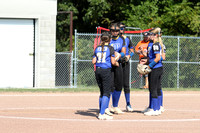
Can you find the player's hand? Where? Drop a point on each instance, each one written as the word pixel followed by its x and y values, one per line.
pixel 117 56
pixel 127 58
pixel 140 48
pixel 117 64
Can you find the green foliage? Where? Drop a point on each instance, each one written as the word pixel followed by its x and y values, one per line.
pixel 182 19
pixel 179 17
pixel 85 48
pixel 63 25
pixel 143 16
pixel 86 77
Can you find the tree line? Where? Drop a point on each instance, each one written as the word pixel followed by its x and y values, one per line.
pixel 178 18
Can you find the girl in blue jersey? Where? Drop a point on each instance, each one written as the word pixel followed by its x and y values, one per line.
pixel 126 67
pixel 163 52
pixel 155 63
pixel 118 43
pixel 104 59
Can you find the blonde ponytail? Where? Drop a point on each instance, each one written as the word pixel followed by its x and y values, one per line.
pixel 158 39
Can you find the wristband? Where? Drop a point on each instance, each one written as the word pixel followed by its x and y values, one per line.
pixel 131 54
pixel 122 54
pixel 152 64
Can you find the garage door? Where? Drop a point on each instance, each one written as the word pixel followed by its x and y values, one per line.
pixel 16 49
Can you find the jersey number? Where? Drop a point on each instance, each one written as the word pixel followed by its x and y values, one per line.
pixel 103 59
pixel 155 47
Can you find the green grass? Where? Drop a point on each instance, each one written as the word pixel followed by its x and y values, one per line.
pixel 82 89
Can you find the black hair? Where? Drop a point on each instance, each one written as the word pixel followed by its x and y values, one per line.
pixel 114 26
pixel 105 37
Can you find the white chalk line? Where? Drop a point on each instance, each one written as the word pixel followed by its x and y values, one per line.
pixel 55 95
pixel 80 108
pixel 96 120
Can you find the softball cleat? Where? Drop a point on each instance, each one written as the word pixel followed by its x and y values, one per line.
pixel 107 111
pixel 151 112
pixel 129 108
pixel 117 110
pixel 162 109
pixel 104 117
pixel 146 110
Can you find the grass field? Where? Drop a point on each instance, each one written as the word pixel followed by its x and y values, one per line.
pixel 83 89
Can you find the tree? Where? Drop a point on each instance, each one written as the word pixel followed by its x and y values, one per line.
pixel 179 17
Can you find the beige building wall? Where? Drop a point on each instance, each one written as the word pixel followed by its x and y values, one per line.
pixel 44 13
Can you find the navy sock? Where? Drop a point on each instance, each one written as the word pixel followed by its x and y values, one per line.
pixel 115 98
pixel 127 96
pixel 100 99
pixel 104 104
pixel 159 101
pixel 155 103
pixel 109 99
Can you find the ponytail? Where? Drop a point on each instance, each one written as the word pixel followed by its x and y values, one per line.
pixel 158 39
pixel 105 38
pixel 102 48
pixel 161 43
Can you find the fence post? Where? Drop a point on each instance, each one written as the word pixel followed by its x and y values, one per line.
pixel 130 70
pixel 178 63
pixel 75 61
pixel 71 72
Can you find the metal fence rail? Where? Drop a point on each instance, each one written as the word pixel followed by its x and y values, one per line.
pixel 181 68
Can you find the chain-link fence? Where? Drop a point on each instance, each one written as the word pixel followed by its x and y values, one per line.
pixel 181 68
pixel 64 69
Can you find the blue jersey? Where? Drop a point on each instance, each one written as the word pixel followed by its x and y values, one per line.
pixel 129 44
pixel 118 44
pixel 105 60
pixel 153 49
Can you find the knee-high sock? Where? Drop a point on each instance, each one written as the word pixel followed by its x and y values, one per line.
pixel 127 96
pixel 155 103
pixel 161 97
pixel 100 99
pixel 159 101
pixel 115 98
pixel 109 99
pixel 104 104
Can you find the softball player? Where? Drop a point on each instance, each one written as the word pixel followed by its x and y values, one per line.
pixel 103 58
pixel 163 52
pixel 155 63
pixel 118 43
pixel 142 59
pixel 126 67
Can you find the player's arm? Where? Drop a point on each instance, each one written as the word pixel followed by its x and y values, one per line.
pixel 163 54
pixel 137 51
pixel 94 60
pixel 113 60
pixel 130 48
pixel 123 50
pixel 142 51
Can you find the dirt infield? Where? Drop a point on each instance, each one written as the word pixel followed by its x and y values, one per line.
pixel 77 112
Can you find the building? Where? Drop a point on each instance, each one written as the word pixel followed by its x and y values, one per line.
pixel 27 43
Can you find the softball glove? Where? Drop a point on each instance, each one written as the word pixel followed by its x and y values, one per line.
pixel 143 69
